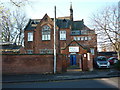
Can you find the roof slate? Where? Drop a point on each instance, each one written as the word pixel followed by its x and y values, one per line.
pixel 29 25
pixel 10 46
pixel 61 23
pixel 78 25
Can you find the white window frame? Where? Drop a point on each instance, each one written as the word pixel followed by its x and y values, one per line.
pixel 92 50
pixel 46 33
pixel 63 35
pixel 86 38
pixel 84 32
pixel 78 38
pixel 89 38
pixel 30 36
pixel 82 38
pixel 29 51
pixel 46 51
pixel 74 38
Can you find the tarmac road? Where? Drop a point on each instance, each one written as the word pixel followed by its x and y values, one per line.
pixel 82 83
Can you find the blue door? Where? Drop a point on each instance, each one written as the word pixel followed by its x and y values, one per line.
pixel 72 59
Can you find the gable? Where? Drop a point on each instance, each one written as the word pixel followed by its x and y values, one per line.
pixel 75 42
pixel 46 20
pixel 32 24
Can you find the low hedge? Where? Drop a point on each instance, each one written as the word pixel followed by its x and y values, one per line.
pixel 117 65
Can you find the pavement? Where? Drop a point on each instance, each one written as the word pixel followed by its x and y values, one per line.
pixel 71 74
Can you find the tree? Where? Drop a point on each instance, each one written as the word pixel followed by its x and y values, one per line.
pixel 13 23
pixel 19 25
pixel 5 24
pixel 18 3
pixel 106 25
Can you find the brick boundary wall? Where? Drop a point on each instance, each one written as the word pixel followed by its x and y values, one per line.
pixel 87 65
pixel 31 64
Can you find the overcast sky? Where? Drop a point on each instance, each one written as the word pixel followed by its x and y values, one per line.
pixel 82 9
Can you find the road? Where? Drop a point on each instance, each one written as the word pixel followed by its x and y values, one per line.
pixel 82 83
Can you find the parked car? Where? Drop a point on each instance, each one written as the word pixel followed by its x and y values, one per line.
pixel 101 62
pixel 112 60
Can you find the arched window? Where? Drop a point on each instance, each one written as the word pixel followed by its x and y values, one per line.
pixel 46 32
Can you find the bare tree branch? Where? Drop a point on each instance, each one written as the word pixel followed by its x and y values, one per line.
pixel 13 23
pixel 106 23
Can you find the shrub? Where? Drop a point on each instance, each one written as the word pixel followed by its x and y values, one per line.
pixel 117 65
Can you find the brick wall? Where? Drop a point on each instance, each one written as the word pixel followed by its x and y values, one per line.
pixel 87 63
pixel 31 64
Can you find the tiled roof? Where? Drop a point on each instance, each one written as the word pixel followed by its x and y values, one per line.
pixel 61 23
pixel 78 25
pixel 10 46
pixel 29 25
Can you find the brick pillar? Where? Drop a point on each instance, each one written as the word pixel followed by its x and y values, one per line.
pixel 61 63
pixel 90 61
pixel 35 42
pixel 84 62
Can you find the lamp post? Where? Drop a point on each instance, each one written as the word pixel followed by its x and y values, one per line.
pixel 54 40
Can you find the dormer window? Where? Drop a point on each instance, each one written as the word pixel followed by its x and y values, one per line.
pixel 84 32
pixel 33 24
pixel 46 32
pixel 64 20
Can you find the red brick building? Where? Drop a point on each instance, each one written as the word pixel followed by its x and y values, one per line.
pixel 72 37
